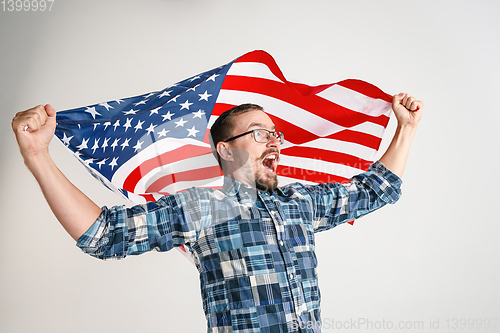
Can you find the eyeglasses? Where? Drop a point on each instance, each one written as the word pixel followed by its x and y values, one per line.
pixel 261 135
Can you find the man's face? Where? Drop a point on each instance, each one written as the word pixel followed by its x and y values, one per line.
pixel 256 162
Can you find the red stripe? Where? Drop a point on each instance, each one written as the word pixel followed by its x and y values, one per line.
pixel 309 175
pixel 184 176
pixel 314 104
pixel 148 197
pixel 366 88
pixel 266 59
pixel 360 138
pixel 297 135
pixel 328 156
pixel 175 155
pixel 362 87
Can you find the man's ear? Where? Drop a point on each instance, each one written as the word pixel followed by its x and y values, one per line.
pixel 224 151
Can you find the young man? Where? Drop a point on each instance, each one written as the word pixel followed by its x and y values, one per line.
pixel 252 242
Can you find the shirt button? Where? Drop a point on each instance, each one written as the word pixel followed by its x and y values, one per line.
pixel 291 276
pixel 281 243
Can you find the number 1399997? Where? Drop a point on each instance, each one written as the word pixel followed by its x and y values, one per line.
pixel 27 5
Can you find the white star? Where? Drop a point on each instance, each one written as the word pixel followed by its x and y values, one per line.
pixel 213 77
pixel 141 102
pixel 132 111
pixel 92 111
pixel 128 124
pixel 106 105
pixel 165 93
pixel 185 105
pixel 105 144
pixel 106 124
pixel 138 146
pixel 115 143
pixel 118 101
pixel 155 110
pixel 138 126
pixel 194 88
pixel 66 140
pixel 204 96
pixel 198 114
pixel 96 145
pixel 192 131
pixel 101 163
pixel 163 132
pixel 113 162
pixel 149 95
pixel 83 145
pixel 116 124
pixel 167 116
pixel 95 125
pixel 173 99
pixel 125 144
pixel 88 162
pixel 180 123
pixel 194 78
pixel 151 128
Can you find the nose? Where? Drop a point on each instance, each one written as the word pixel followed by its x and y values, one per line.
pixel 273 142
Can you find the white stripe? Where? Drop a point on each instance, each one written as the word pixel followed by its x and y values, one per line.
pixel 252 69
pixel 369 128
pixel 180 186
pixel 154 150
pixel 188 164
pixel 350 148
pixel 282 181
pixel 288 112
pixel 366 127
pixel 318 165
pixel 211 121
pixel 356 101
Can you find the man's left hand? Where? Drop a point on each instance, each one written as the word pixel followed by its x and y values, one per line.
pixel 408 109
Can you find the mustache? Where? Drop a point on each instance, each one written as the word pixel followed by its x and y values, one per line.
pixel 269 151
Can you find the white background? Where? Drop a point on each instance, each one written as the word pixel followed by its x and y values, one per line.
pixel 432 256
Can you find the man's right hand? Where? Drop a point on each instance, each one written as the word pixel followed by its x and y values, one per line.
pixel 34 129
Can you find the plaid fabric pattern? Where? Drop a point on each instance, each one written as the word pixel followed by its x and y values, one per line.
pixel 254 250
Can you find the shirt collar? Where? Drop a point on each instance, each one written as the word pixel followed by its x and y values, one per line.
pixel 231 187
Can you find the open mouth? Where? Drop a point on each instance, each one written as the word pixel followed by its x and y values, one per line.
pixel 270 162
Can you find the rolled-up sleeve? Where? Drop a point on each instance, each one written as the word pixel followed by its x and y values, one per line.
pixel 335 203
pixel 121 231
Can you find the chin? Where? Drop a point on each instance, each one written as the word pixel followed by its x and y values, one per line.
pixel 269 184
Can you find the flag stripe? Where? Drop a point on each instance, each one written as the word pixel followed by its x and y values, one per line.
pixel 327 155
pixel 183 176
pixel 161 160
pixel 191 163
pixel 289 174
pixel 346 110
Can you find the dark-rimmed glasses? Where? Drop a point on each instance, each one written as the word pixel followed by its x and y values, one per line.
pixel 261 135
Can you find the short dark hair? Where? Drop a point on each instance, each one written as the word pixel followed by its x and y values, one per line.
pixel 223 126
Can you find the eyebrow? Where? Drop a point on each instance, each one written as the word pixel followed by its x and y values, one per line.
pixel 260 125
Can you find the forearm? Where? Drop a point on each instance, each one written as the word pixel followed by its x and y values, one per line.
pixel 396 155
pixel 74 210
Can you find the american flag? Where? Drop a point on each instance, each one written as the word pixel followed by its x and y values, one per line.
pixel 158 143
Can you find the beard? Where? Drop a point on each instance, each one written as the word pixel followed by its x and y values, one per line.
pixel 265 182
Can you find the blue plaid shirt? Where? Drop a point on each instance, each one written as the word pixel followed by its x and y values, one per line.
pixel 254 250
